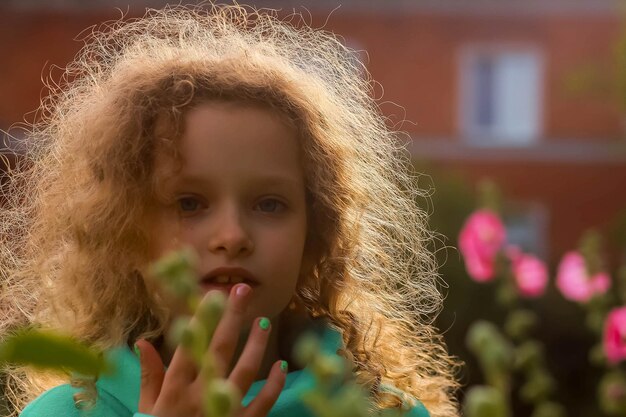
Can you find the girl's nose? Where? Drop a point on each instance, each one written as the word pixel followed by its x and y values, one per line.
pixel 230 237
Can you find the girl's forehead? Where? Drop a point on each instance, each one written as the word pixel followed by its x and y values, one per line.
pixel 171 126
pixel 238 108
pixel 233 138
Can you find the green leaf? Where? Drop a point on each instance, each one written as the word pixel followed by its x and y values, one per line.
pixel 596 355
pixel 520 323
pixel 306 350
pixel 327 368
pixel 538 387
pixel 612 393
pixel 494 353
pixel 549 409
pixel 485 401
pixel 175 271
pixel 317 402
pixel 351 401
pixel 489 195
pixel 529 355
pixel 177 331
pixel 221 398
pixel 210 312
pixel 47 350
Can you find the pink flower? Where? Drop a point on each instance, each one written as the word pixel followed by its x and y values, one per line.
pixel 600 283
pixel 574 281
pixel 615 335
pixel 531 274
pixel 480 240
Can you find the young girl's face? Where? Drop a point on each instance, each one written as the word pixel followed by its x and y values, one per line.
pixel 237 196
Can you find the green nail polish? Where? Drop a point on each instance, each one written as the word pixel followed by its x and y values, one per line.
pixel 284 366
pixel 137 351
pixel 264 323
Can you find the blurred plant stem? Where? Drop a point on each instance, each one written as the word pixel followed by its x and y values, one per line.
pixel 503 354
pixel 489 195
pixel 334 394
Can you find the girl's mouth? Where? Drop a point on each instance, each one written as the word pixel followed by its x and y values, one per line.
pixel 225 278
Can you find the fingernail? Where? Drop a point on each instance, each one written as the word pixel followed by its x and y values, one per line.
pixel 264 323
pixel 284 367
pixel 242 290
pixel 137 351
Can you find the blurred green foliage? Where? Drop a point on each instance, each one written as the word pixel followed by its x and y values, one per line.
pixel 51 351
pixel 485 401
pixel 334 394
pixel 561 329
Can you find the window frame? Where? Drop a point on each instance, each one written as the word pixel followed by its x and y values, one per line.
pixel 470 131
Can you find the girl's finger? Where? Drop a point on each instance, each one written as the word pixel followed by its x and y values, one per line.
pixel 247 367
pixel 227 333
pixel 183 367
pixel 263 402
pixel 152 375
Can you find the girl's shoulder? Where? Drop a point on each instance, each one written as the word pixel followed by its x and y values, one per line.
pixel 117 394
pixel 332 341
pixel 417 410
pixel 59 401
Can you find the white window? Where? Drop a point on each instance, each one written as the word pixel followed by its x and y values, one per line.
pixel 501 95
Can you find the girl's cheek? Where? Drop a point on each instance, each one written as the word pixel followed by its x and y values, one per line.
pixel 165 234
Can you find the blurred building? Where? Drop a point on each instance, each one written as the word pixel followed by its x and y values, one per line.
pixel 522 91
pixel 525 92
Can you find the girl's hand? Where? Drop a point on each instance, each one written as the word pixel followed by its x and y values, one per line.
pixel 178 391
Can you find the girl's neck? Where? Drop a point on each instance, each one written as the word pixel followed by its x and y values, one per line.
pixel 271 354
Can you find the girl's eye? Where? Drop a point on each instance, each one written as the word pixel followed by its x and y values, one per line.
pixel 271 205
pixel 189 204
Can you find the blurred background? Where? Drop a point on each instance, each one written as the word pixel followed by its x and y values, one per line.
pixel 528 93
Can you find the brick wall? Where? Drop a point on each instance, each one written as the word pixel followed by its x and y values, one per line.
pixel 415 57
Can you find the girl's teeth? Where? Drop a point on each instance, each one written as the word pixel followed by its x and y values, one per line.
pixel 228 280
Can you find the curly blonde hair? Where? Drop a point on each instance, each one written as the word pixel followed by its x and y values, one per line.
pixel 74 241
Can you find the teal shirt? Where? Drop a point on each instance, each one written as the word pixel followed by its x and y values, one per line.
pixel 118 394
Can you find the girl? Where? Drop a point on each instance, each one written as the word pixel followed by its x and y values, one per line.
pixel 257 144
